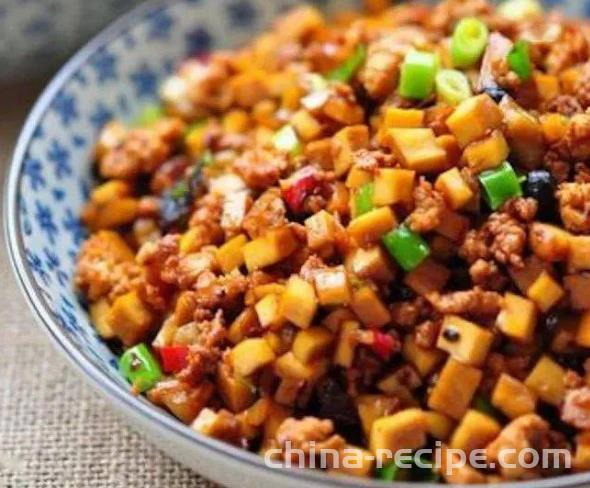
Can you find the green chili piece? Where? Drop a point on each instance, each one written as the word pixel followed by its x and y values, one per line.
pixel 406 247
pixel 364 199
pixel 350 66
pixel 417 76
pixel 500 184
pixel 150 115
pixel 140 367
pixel 519 60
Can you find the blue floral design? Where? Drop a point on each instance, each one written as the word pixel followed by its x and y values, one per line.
pixel 199 41
pixel 60 157
pixel 66 108
pixel 145 81
pixel 36 265
pixel 100 116
pixel 44 218
pixel 160 24
pixel 34 171
pixel 73 225
pixel 242 13
pixel 105 66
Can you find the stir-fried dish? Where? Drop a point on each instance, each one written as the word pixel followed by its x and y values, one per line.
pixel 369 233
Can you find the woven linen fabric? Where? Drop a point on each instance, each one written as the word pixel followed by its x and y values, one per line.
pixel 55 432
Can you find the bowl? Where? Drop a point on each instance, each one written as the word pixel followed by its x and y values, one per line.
pixel 116 75
pixel 35 35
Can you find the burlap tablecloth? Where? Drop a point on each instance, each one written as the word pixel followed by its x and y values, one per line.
pixel 54 431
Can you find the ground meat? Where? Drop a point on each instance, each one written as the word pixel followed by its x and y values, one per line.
pixel 222 425
pixel 268 212
pixel 574 206
pixel 476 302
pixel 557 164
pixel 567 105
pixel 502 237
pixel 199 88
pixel 205 222
pixel 106 267
pixel 260 168
pixel 384 56
pixel 581 173
pixel 142 150
pixel 183 271
pixel 182 399
pixel 576 408
pixel 526 432
pixel 205 352
pixel 430 206
pixel 372 160
pixel 342 107
pixel 487 275
pixel 225 292
pixel 409 313
pixel 523 209
pixel 583 87
pixel 309 268
pixel 570 49
pixel 577 137
pixel 307 433
pixel 572 380
pixel 169 173
pixel 426 333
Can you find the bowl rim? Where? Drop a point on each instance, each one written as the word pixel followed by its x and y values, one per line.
pixel 44 318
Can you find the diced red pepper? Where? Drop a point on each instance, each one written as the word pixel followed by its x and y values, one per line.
pixel 383 344
pixel 174 358
pixel 301 185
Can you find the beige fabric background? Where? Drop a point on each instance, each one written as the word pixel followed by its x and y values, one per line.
pixel 54 431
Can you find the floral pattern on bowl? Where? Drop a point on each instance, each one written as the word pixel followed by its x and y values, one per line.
pixel 116 75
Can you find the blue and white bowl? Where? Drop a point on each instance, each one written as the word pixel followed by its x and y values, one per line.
pixel 115 76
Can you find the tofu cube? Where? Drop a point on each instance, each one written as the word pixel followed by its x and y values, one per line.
pixel 475 431
pixel 346 345
pixel 298 302
pixel 332 286
pixel 450 395
pixel 488 153
pixel 417 149
pixel 370 264
pixel 547 381
pixel 404 430
pixel 346 142
pixel 231 255
pixel 130 319
pixel 274 246
pixel 321 230
pixel 399 118
pixel 424 360
pixel 513 397
pixel 427 277
pixel 369 308
pixel 474 118
pixel 393 185
pixel 518 318
pixel 269 313
pixel 545 292
pixel 369 227
pixel 454 188
pixel 312 343
pixel 439 426
pixel 465 341
pixel 583 333
pixel 579 257
pixel 251 355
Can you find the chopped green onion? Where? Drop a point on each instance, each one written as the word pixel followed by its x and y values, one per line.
pixel 150 115
pixel 140 367
pixel 364 199
pixel 350 66
pixel 394 472
pixel 179 190
pixel 469 42
pixel 407 247
pixel 285 139
pixel 193 126
pixel 452 86
pixel 520 10
pixel 417 76
pixel 500 184
pixel 519 60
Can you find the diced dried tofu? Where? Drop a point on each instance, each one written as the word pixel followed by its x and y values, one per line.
pixel 474 118
pixel 417 149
